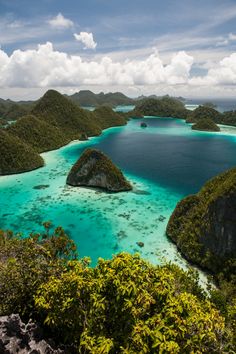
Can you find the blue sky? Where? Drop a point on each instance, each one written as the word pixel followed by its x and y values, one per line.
pixel 149 35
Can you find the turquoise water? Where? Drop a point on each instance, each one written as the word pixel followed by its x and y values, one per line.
pixel 164 162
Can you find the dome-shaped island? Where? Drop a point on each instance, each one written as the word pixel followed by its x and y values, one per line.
pixel 95 169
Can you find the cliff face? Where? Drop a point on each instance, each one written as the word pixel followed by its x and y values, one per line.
pixel 17 337
pixel 94 169
pixel 204 226
pixel 221 237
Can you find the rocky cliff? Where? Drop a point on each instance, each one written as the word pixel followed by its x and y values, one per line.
pixel 94 169
pixel 17 337
pixel 204 225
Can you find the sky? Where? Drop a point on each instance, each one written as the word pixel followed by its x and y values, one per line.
pixel 181 48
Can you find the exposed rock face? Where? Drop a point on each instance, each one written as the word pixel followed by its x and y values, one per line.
pixel 143 125
pixel 94 169
pixel 204 225
pixel 221 236
pixel 17 337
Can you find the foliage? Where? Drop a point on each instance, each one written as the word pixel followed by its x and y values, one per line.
pixel 26 263
pixel 54 122
pixel 203 112
pixel 206 124
pixel 88 98
pixel 228 118
pixel 16 156
pixel 38 133
pixel 124 305
pixel 162 107
pixel 194 226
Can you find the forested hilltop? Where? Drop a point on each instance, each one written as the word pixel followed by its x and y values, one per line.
pixel 172 107
pixel 51 123
pixel 123 305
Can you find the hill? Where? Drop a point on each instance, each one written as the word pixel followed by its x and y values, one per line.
pixel 59 111
pixel 54 122
pixel 10 110
pixel 206 124
pixel 88 98
pixel 107 118
pixel 204 225
pixel 203 112
pixel 95 169
pixel 37 133
pixel 161 107
pixel 16 156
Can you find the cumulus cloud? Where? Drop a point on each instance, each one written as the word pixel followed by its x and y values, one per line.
pixel 43 67
pixel 46 67
pixel 87 39
pixel 222 73
pixel 60 21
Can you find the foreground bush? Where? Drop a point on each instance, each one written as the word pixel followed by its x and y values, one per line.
pixel 123 305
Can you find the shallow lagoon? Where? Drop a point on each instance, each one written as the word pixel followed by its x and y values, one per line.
pixel 164 162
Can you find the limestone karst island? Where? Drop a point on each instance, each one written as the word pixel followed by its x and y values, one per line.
pixel 117 177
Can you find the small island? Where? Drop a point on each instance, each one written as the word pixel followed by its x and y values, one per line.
pixel 143 125
pixel 206 124
pixel 95 169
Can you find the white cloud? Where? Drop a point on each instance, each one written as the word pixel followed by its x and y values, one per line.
pixel 46 67
pixel 87 39
pixel 60 21
pixel 220 74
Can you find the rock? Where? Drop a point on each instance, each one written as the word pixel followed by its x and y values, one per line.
pixel 204 225
pixel 17 337
pixel 140 244
pixel 94 169
pixel 143 125
pixel 41 186
pixel 83 137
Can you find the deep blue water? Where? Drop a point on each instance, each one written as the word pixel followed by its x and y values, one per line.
pixel 167 154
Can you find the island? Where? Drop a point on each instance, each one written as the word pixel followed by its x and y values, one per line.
pixel 204 112
pixel 95 169
pixel 206 124
pixel 204 225
pixel 50 123
pixel 143 125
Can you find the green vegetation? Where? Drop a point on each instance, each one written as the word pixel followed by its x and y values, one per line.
pixel 10 110
pixel 206 124
pixel 38 134
pixel 123 305
pixel 54 122
pixel 204 228
pixel 60 112
pixel 228 118
pixel 203 112
pixel 107 118
pixel 87 98
pixel 95 169
pixel 161 107
pixel 16 156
